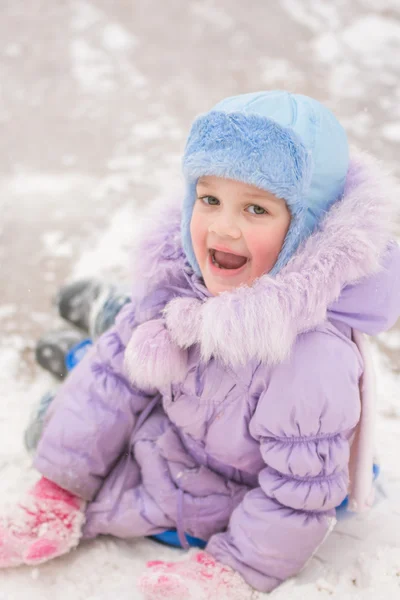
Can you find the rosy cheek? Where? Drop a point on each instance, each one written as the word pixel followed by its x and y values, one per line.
pixel 265 253
pixel 198 236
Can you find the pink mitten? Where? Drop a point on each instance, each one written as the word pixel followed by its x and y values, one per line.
pixel 198 577
pixel 47 524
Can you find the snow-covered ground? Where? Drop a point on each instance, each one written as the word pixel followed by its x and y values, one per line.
pixel 96 101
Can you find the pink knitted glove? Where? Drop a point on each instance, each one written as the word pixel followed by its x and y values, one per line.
pixel 198 577
pixel 47 524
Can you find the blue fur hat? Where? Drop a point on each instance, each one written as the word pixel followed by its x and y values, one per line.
pixel 287 144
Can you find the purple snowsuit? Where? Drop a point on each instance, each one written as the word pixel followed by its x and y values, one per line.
pixel 231 417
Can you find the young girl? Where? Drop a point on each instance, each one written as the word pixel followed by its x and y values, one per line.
pixel 225 404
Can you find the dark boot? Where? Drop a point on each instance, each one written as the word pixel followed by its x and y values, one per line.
pixel 74 301
pixel 52 350
pixel 91 304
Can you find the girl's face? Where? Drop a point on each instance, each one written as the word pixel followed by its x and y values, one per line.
pixel 237 232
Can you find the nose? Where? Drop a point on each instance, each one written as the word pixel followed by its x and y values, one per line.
pixel 224 227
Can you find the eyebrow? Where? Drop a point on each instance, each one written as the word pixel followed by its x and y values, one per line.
pixel 261 196
pixel 204 183
pixel 258 195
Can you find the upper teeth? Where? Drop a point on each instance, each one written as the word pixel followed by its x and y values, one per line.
pixel 213 259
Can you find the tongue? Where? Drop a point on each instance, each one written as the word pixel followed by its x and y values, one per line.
pixel 229 261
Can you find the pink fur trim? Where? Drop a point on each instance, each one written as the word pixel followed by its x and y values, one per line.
pixel 152 359
pixel 189 311
pixel 157 252
pixel 263 321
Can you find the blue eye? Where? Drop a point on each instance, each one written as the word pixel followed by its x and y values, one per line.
pixel 258 210
pixel 210 200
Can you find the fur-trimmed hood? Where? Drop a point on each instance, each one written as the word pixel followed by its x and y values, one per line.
pixel 348 270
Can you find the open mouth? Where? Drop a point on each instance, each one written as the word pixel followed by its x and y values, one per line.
pixel 226 260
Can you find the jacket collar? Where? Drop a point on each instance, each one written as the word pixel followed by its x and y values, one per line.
pixel 262 321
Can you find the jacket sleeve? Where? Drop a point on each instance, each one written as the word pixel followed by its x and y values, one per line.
pixel 304 419
pixel 92 417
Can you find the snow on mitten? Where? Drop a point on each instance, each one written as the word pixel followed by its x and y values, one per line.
pixel 47 524
pixel 198 577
